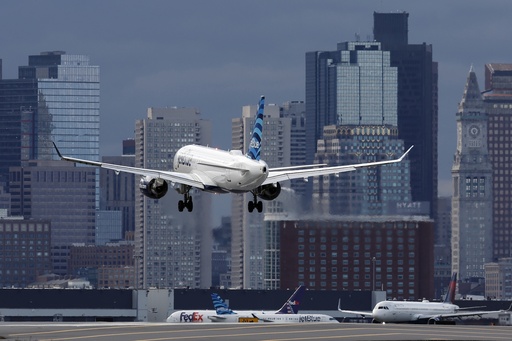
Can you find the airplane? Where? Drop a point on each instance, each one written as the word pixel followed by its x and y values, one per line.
pixel 219 171
pixel 425 311
pixel 223 313
pixel 287 314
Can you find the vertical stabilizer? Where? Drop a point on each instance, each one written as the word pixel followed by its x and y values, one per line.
pixel 220 306
pixel 450 295
pixel 291 306
pixel 255 144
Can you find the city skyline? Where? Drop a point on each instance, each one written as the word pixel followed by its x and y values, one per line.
pixel 167 54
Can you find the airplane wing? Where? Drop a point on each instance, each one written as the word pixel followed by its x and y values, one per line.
pixel 465 314
pixel 217 318
pixel 261 319
pixel 362 313
pixel 172 177
pixel 280 174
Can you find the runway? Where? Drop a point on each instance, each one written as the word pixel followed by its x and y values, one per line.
pixel 248 332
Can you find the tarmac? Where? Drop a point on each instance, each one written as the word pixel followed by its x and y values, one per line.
pixel 131 331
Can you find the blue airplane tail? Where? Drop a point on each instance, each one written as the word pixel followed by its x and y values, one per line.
pixel 450 295
pixel 291 306
pixel 220 306
pixel 255 144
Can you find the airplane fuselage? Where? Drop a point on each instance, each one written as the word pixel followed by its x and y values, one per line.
pixel 221 171
pixel 245 316
pixel 296 318
pixel 397 311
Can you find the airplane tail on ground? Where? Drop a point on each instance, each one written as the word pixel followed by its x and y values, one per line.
pixel 255 144
pixel 450 295
pixel 220 306
pixel 291 306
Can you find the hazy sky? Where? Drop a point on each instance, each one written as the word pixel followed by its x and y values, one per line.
pixel 220 55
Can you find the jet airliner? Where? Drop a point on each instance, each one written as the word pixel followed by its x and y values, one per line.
pixel 223 313
pixel 219 171
pixel 409 311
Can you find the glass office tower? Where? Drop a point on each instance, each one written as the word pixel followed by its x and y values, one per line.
pixel 56 97
pixel 68 107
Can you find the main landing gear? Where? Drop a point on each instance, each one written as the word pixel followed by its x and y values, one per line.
pixel 255 204
pixel 186 202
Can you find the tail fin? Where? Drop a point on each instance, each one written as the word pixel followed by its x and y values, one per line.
pixel 220 306
pixel 450 295
pixel 291 306
pixel 255 144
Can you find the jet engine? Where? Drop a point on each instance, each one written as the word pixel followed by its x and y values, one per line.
pixel 153 188
pixel 268 192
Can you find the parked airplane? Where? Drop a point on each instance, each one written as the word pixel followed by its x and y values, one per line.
pixel 287 314
pixel 409 311
pixel 223 313
pixel 218 171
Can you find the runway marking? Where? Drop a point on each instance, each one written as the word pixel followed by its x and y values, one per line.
pixel 335 337
pixel 249 329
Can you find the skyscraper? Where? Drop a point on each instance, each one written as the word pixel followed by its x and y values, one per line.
pixel 59 192
pixel 172 249
pixel 56 97
pixel 117 190
pixel 498 105
pixel 366 131
pixel 417 102
pixel 247 232
pixel 283 131
pixel 472 192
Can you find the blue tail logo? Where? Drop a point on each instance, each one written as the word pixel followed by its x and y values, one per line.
pixel 220 306
pixel 255 144
pixel 291 306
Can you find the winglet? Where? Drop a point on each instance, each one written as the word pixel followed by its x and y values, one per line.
pixel 404 154
pixel 57 150
pixel 255 144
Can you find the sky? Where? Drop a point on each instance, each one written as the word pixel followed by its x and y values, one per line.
pixel 218 56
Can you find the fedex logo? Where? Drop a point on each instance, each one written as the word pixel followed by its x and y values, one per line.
pixel 194 317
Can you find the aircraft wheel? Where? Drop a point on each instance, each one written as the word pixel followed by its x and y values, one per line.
pixel 259 206
pixel 250 206
pixel 190 205
pixel 181 205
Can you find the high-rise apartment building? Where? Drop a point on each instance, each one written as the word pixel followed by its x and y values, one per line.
pixel 172 249
pixel 283 145
pixel 498 105
pixel 472 187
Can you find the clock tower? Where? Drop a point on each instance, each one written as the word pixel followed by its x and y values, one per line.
pixel 472 190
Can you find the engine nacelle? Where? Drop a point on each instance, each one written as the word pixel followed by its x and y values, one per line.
pixel 268 192
pixel 153 188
